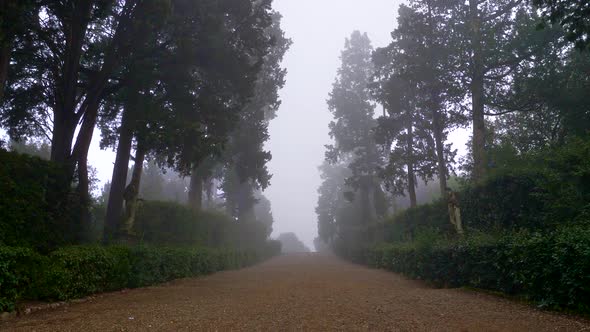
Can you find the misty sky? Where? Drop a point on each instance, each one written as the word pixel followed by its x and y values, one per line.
pixel 318 29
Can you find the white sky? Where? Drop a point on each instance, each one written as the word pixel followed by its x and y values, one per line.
pixel 298 135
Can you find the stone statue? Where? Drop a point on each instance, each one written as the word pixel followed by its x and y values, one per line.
pixel 454 211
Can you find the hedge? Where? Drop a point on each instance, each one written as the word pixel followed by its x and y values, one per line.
pixel 38 209
pixel 16 274
pixel 551 269
pixel 78 271
pixel 173 224
pixel 542 191
pixel 33 200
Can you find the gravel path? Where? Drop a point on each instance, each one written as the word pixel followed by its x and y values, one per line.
pixel 297 293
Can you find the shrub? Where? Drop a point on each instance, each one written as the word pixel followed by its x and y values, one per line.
pixel 17 269
pixel 566 180
pixel 78 271
pixel 552 269
pixel 169 223
pixel 33 203
pixel 166 223
pixel 539 191
pixel 172 224
pixel 272 248
pixel 505 201
pixel 403 226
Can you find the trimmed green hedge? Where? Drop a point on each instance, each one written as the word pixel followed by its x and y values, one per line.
pixel 552 269
pixel 169 223
pixel 541 191
pixel 33 200
pixel 504 202
pixel 78 271
pixel 17 272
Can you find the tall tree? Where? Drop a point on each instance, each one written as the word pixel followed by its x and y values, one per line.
pixel 397 133
pixel 66 66
pixel 331 199
pixel 495 34
pixel 263 212
pixel 196 87
pixel 414 81
pixel 353 124
pixel 244 161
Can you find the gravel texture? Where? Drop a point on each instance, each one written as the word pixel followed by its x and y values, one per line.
pixel 296 293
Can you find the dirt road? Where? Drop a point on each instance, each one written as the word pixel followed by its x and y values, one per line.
pixel 297 293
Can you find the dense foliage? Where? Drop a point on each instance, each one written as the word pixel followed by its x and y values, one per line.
pixel 33 201
pixel 540 191
pixel 551 268
pixel 78 271
pixel 16 274
pixel 166 223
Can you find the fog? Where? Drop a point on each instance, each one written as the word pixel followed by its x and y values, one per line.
pixel 300 132
pixel 298 135
pixel 315 151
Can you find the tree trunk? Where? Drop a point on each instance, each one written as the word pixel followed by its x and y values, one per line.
pixel 440 152
pixel 64 128
pixel 195 194
pixel 371 201
pixel 119 177
pixel 6 9
pixel 4 62
pixel 245 202
pixel 89 109
pixel 364 201
pixel 410 165
pixel 80 157
pixel 412 185
pixel 368 199
pixel 477 94
pixel 132 195
pixel 209 189
pixel 85 202
pixel 66 111
pixel 65 117
pixel 437 121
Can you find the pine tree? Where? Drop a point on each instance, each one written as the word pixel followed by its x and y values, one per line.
pixel 352 128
